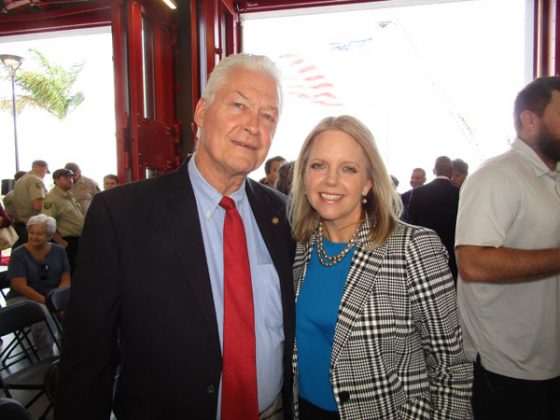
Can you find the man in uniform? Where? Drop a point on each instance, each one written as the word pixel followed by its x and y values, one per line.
pixel 27 199
pixel 84 188
pixel 9 198
pixel 61 204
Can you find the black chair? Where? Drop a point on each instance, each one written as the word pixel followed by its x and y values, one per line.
pixel 11 351
pixel 56 301
pixel 4 283
pixel 12 410
pixel 18 318
pixel 51 380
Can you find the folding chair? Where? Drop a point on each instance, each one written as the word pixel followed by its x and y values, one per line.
pixel 4 283
pixel 19 318
pixel 11 352
pixel 56 301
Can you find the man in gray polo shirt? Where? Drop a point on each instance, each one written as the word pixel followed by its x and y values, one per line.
pixel 507 245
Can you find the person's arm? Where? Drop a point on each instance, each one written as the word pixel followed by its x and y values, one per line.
pixel 434 308
pixel 19 284
pixel 64 279
pixel 50 210
pixel 499 265
pixel 60 240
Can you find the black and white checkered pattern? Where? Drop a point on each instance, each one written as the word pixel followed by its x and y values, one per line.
pixel 398 348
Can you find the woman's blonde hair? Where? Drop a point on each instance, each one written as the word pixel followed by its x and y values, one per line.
pixel 383 206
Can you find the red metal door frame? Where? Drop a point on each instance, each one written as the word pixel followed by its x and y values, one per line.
pixel 546 58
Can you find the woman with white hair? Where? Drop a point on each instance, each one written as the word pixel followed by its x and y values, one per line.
pixel 37 267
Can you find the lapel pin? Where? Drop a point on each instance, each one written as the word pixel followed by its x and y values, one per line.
pixel 275 220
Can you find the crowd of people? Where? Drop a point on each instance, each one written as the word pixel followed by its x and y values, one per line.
pixel 316 293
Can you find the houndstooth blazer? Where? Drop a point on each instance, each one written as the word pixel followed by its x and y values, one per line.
pixel 398 348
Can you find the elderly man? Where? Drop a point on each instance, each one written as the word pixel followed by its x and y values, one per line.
pixel 27 198
pixel 154 277
pixel 63 207
pixel 508 253
pixel 84 188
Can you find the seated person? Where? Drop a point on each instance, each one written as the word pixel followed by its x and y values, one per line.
pixel 35 268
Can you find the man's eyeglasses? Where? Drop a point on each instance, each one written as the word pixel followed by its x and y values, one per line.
pixel 44 271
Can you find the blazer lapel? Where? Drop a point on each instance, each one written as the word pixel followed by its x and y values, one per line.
pixel 359 284
pixel 183 225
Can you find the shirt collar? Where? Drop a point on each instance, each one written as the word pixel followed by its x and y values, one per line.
pixel 208 197
pixel 63 192
pixel 536 163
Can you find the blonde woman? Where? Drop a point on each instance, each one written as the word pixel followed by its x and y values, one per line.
pixel 377 331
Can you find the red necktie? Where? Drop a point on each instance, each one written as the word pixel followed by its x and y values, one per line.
pixel 239 371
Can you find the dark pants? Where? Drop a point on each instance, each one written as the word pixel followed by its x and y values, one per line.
pixel 22 233
pixel 497 397
pixel 308 411
pixel 72 251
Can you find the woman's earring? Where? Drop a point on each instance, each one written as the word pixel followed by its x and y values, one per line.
pixel 364 199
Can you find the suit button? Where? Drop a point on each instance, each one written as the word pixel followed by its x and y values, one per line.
pixel 210 389
pixel 344 396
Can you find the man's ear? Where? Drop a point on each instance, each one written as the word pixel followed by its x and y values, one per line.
pixel 529 120
pixel 199 112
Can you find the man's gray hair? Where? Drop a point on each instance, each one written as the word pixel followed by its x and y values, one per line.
pixel 43 219
pixel 244 61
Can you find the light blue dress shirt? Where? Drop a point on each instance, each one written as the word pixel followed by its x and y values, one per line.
pixel 269 328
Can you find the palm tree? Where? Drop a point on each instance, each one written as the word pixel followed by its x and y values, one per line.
pixel 49 89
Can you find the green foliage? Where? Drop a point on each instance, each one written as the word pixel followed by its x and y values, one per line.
pixel 49 89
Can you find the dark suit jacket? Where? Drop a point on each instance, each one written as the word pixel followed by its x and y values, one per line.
pixel 434 206
pixel 405 197
pixel 142 281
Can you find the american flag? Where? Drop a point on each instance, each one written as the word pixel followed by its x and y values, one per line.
pixel 306 81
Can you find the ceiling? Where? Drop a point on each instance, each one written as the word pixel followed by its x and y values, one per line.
pixel 14 7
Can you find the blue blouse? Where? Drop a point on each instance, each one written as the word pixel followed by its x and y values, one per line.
pixel 316 316
pixel 40 277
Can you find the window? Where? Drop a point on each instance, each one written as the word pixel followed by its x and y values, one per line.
pixel 429 79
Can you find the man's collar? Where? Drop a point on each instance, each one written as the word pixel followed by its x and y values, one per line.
pixel 62 191
pixel 210 197
pixel 539 167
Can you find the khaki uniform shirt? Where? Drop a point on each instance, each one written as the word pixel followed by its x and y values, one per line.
pixel 28 188
pixel 65 209
pixel 83 192
pixel 9 205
